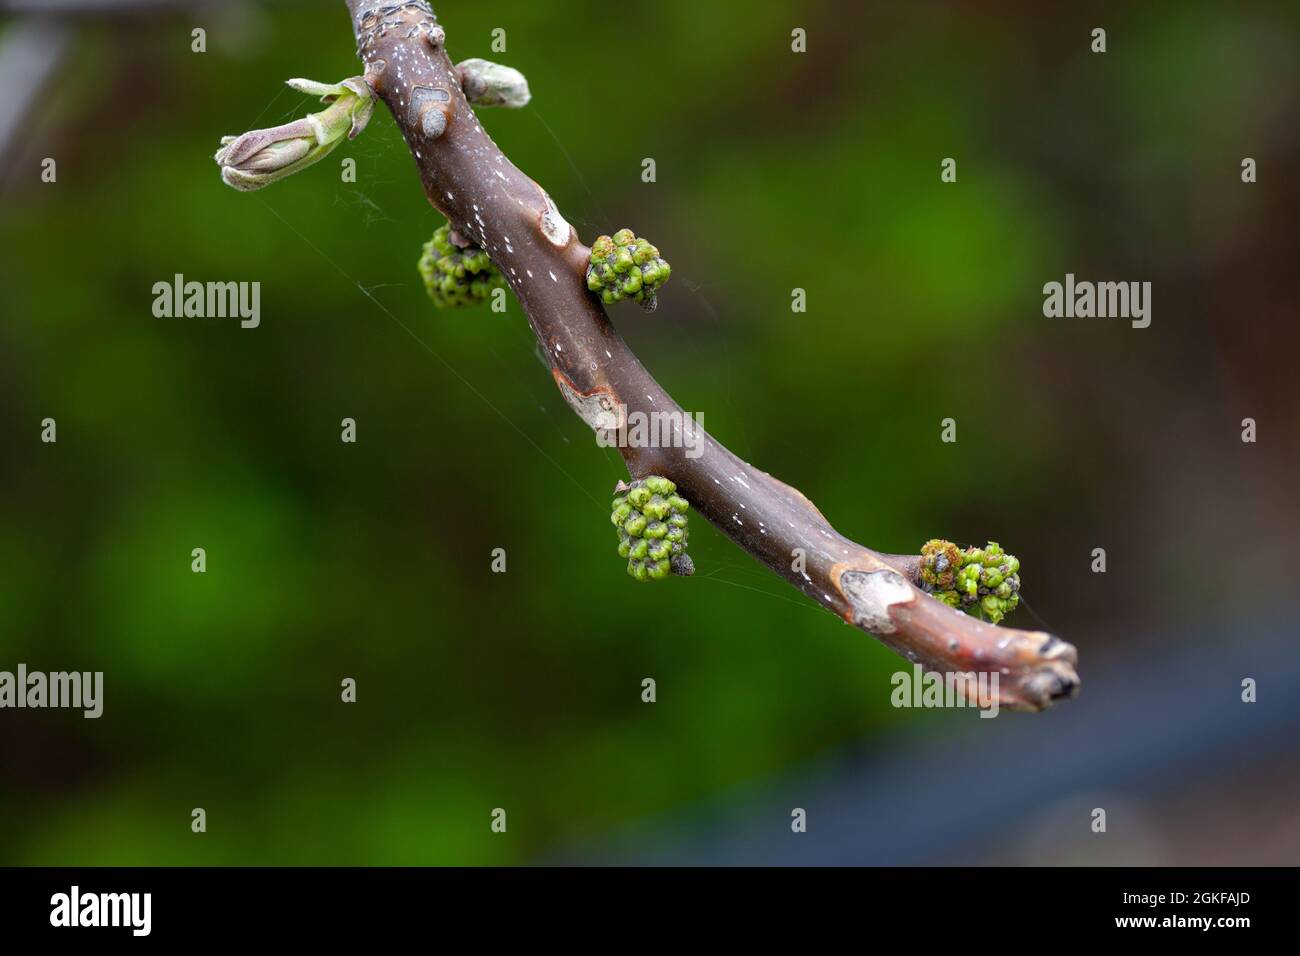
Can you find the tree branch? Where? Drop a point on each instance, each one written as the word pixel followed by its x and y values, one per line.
pixel 492 203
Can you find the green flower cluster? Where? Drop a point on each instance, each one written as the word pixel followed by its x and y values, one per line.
pixel 984 582
pixel 625 267
pixel 455 276
pixel 651 521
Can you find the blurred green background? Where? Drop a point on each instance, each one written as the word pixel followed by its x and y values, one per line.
pixel 774 170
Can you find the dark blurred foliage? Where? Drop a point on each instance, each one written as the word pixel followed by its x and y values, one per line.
pixel 775 170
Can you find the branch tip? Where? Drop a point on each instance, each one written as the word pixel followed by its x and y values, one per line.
pixel 260 157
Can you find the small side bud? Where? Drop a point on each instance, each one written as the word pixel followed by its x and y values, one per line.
pixel 263 156
pixel 490 84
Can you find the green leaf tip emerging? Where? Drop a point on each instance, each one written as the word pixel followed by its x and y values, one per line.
pixel 651 520
pixel 625 267
pixel 264 156
pixel 983 582
pixel 456 275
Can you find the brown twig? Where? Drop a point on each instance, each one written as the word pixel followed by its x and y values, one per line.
pixel 487 199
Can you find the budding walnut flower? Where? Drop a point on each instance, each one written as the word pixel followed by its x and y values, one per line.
pixel 625 266
pixel 983 582
pixel 651 520
pixel 456 272
pixel 263 156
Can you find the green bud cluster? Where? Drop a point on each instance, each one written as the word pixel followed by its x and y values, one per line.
pixel 455 276
pixel 651 520
pixel 984 582
pixel 625 267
